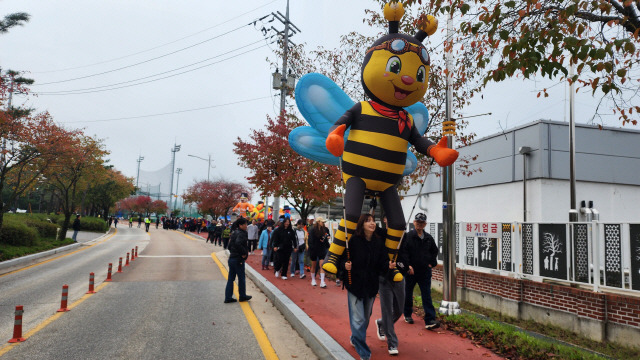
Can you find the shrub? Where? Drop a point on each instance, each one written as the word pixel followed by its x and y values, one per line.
pixel 91 223
pixel 17 233
pixel 44 228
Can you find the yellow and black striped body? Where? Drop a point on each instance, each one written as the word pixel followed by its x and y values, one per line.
pixel 376 151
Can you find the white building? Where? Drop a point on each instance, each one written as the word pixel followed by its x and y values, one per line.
pixel 607 173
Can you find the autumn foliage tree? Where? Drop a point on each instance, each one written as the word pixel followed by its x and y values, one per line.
pixel 278 170
pixel 216 197
pixel 503 39
pixel 108 188
pixel 75 168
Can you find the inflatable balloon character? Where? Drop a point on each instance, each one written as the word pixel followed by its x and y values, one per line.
pixel 258 211
pixel 370 139
pixel 243 208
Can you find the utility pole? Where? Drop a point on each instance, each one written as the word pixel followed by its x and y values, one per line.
pixel 449 304
pixel 175 202
pixel 174 150
pixel 140 158
pixel 286 83
pixel 208 161
pixel 573 211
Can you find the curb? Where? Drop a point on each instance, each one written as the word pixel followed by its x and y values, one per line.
pixel 33 258
pixel 323 345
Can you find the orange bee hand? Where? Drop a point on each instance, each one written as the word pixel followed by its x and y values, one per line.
pixel 335 140
pixel 442 154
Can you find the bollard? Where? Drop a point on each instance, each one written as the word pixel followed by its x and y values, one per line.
pixel 109 272
pixel 127 263
pixel 136 251
pixel 17 326
pixel 91 283
pixel 63 302
pixel 120 265
pixel 133 255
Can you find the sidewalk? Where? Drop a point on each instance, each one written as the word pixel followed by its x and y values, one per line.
pixel 328 308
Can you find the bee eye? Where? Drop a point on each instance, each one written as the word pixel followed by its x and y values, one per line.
pixel 394 65
pixel 422 72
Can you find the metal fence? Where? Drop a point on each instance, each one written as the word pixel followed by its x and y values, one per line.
pixel 562 251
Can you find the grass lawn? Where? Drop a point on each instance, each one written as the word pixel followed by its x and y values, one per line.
pixel 8 252
pixel 501 334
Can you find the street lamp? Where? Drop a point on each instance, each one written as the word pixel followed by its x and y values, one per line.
pixel 175 149
pixel 175 202
pixel 140 158
pixel 209 161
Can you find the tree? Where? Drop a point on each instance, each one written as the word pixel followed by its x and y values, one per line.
pixel 11 20
pixel 216 197
pixel 504 39
pixel 280 171
pixel 126 204
pixel 158 207
pixel 142 204
pixel 110 187
pixel 73 170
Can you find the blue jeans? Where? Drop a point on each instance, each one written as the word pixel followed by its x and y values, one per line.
pixel 359 316
pixel 266 255
pixel 75 235
pixel 236 267
pixel 424 283
pixel 299 255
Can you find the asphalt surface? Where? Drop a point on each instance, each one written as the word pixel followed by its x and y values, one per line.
pixel 39 288
pixel 166 305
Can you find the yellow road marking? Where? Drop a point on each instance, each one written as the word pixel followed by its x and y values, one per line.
pixel 5 349
pixel 82 248
pixel 189 237
pixel 267 350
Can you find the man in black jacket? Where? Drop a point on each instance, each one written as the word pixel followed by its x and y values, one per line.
pixel 420 252
pixel 238 251
pixel 76 227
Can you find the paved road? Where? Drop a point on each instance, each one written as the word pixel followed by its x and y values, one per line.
pixel 166 305
pixel 39 288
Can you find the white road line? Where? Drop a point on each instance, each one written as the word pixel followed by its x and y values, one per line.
pixel 174 256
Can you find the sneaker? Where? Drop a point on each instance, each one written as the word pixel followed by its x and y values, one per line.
pixel 323 285
pixel 284 278
pixel 393 351
pixel 408 319
pixel 337 282
pixel 232 300
pixel 293 275
pixel 431 324
pixel 277 273
pixel 313 282
pixel 380 332
pixel 303 276
pixel 246 298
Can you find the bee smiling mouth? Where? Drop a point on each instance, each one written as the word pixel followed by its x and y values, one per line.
pixel 400 94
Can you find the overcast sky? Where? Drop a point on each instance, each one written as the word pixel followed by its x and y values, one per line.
pixel 76 49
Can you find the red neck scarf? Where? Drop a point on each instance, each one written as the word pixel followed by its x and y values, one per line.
pixel 400 115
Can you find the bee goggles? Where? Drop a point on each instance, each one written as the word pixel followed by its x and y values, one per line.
pixel 401 46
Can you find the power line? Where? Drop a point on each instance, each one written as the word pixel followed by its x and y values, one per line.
pixel 169 113
pixel 156 47
pixel 149 76
pixel 142 62
pixel 77 92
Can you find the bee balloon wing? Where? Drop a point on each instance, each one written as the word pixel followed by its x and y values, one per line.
pixel 321 102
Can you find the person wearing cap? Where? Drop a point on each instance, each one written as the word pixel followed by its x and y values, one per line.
pixel 419 253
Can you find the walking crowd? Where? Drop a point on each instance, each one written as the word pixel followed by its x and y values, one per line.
pixel 291 251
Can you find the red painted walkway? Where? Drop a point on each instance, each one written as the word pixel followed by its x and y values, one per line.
pixel 328 308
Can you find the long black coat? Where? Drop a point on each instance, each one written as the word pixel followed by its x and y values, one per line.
pixel 419 253
pixel 368 261
pixel 284 239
